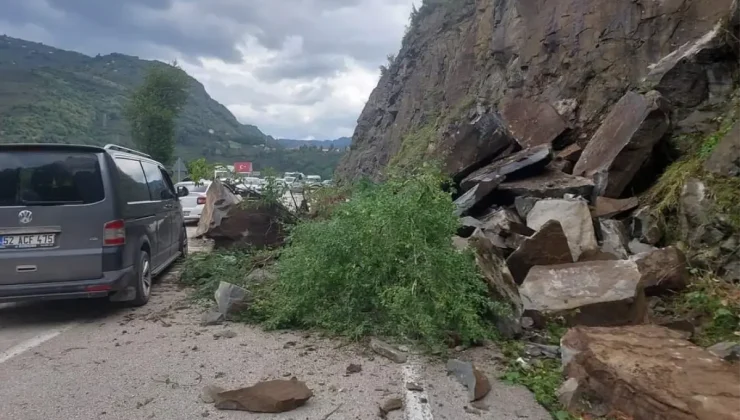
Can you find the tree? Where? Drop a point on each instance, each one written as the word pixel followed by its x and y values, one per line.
pixel 200 169
pixel 153 109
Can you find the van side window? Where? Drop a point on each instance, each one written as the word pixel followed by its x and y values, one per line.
pixel 157 187
pixel 168 182
pixel 133 182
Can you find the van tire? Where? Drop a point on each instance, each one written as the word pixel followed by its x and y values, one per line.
pixel 143 277
pixel 183 242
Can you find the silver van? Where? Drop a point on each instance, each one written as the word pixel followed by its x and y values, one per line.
pixel 85 222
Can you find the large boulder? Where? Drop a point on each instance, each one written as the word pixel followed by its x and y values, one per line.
pixel 219 200
pixel 645 226
pixel 548 246
pixel 614 239
pixel 477 194
pixel 725 159
pixel 500 282
pixel 526 162
pixel 663 270
pixel 624 142
pixel 231 221
pixel 648 372
pixel 594 293
pixel 610 207
pixel 532 123
pixel 549 184
pixel 471 144
pixel 684 76
pixel 575 218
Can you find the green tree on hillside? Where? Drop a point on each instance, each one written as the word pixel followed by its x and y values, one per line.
pixel 153 109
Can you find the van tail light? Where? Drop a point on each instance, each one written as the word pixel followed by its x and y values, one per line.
pixel 114 233
pixel 201 200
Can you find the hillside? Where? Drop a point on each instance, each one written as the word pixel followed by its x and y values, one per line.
pixel 340 143
pixel 52 95
pixel 467 65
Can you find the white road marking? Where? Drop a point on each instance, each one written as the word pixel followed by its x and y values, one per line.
pixel 416 402
pixel 32 342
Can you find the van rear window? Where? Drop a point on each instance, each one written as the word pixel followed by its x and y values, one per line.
pixel 48 178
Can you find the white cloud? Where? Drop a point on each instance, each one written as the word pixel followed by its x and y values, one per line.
pixel 294 68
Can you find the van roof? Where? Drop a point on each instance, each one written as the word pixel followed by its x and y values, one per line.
pixel 71 148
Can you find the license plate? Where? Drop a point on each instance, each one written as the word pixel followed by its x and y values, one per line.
pixel 186 213
pixel 27 241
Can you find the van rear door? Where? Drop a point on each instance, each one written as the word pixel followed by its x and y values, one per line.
pixel 53 208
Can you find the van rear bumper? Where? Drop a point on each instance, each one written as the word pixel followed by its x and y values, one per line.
pixel 112 281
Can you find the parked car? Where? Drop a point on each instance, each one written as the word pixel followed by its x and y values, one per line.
pixel 313 180
pixel 250 183
pixel 85 222
pixel 294 185
pixel 194 201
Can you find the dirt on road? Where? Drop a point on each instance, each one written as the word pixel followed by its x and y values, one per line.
pixel 94 360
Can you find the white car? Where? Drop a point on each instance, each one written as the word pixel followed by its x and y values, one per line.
pixel 193 203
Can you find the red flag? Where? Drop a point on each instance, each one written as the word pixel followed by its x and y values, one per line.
pixel 242 167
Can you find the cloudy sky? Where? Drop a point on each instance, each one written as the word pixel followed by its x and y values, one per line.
pixel 294 68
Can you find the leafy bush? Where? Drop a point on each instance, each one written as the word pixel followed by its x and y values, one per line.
pixel 204 271
pixel 382 264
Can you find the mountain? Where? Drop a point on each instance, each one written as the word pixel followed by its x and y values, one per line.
pixel 340 143
pixel 466 67
pixel 52 95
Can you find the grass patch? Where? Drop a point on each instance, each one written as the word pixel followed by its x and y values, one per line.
pixel 664 197
pixel 414 147
pixel 382 264
pixel 542 377
pixel 712 304
pixel 204 271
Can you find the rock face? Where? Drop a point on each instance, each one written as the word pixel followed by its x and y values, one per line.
pixel 463 60
pixel 275 396
pixel 624 142
pixel 650 373
pixel 548 246
pixel 575 218
pixel 604 292
pixel 522 114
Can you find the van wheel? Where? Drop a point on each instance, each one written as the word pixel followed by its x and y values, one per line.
pixel 183 242
pixel 143 280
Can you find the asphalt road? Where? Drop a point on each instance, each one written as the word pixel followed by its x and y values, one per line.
pixel 92 360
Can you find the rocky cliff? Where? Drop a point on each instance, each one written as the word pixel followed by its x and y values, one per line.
pixel 472 71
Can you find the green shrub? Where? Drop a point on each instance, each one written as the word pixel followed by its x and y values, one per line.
pixel 382 264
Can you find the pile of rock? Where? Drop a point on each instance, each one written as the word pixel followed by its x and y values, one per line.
pixel 557 234
pixel 558 244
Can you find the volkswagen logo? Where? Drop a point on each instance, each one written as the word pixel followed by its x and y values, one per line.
pixel 25 216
